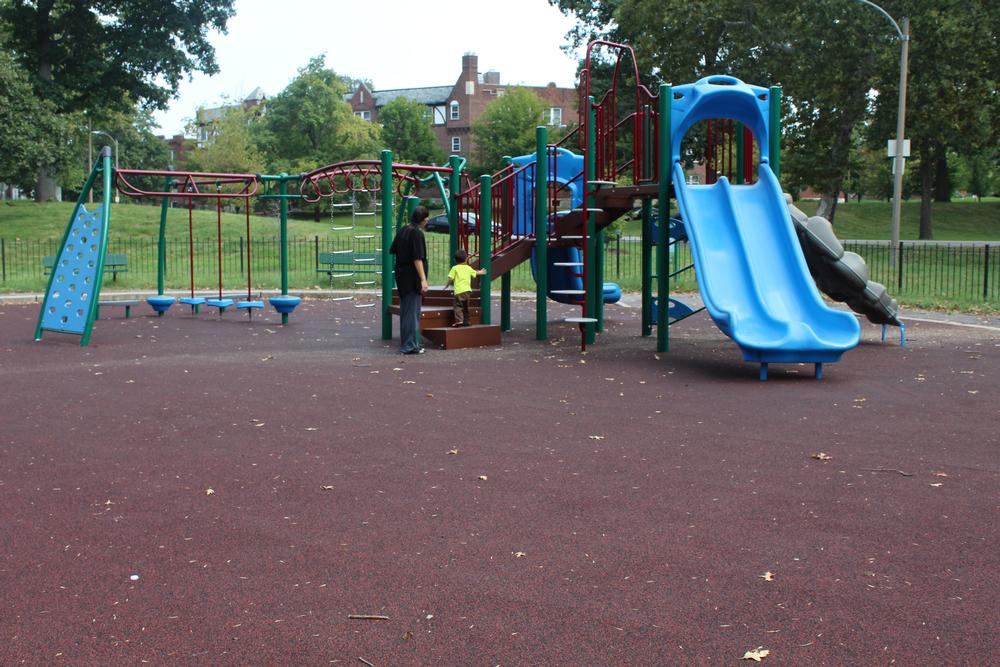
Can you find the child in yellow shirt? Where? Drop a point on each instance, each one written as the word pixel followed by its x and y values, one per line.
pixel 461 277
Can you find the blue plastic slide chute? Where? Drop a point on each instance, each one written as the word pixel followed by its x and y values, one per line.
pixel 563 274
pixel 751 271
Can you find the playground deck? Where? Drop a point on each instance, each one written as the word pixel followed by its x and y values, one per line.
pixel 522 505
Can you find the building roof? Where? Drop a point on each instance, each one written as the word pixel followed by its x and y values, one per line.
pixel 255 96
pixel 431 95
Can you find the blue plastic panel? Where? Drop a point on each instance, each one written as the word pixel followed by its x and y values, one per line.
pixel 67 305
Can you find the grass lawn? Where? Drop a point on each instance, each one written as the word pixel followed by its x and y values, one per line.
pixel 960 220
pixel 932 277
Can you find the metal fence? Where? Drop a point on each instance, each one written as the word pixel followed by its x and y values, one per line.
pixel 942 272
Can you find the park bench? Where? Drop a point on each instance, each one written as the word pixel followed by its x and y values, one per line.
pixel 366 266
pixel 114 263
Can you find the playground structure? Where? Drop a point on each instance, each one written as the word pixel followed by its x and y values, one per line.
pixel 758 260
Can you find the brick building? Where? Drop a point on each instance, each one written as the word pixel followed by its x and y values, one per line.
pixel 453 108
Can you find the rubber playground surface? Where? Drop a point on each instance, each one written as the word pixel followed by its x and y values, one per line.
pixel 203 490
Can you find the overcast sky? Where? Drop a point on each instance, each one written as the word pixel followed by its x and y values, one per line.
pixel 395 43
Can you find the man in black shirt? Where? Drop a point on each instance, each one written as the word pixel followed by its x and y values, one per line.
pixel 410 250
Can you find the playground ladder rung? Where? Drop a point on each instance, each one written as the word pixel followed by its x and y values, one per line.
pixel 602 182
pixel 343 229
pixel 364 282
pixel 364 214
pixel 364 259
pixel 341 205
pixel 342 275
pixel 342 298
pixel 567 263
pixel 580 320
pixel 568 291
pixel 364 305
pixel 364 236
pixel 340 252
pixel 571 238
pixel 589 210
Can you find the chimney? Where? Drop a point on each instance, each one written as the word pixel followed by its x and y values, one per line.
pixel 470 67
pixel 492 77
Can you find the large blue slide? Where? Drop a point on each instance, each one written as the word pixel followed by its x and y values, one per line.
pixel 751 271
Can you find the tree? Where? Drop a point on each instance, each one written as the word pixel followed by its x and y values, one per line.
pixel 952 103
pixel 406 130
pixel 87 55
pixel 231 148
pixel 507 127
pixel 821 53
pixel 32 134
pixel 309 124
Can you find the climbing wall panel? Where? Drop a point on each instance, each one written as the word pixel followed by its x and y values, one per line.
pixel 68 303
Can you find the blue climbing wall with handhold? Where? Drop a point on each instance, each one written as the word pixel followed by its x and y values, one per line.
pixel 68 304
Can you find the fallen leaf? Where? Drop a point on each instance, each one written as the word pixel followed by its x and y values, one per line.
pixel 408 635
pixel 327 488
pixel 940 474
pixel 430 395
pixel 483 477
pixel 596 437
pixel 820 456
pixel 209 492
pixel 311 428
pixel 453 451
pixel 519 554
pixel 756 655
pixel 936 484
pixel 767 576
pixel 268 357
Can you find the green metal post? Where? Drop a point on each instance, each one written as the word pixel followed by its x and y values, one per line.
pixel 105 224
pixel 647 266
pixel 663 209
pixel 485 246
pixel 505 283
pixel 541 233
pixel 387 229
pixel 590 169
pixel 774 130
pixel 454 185
pixel 161 247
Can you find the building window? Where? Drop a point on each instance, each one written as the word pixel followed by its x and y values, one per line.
pixel 456 144
pixel 554 116
pixel 363 115
pixel 440 115
pixel 454 114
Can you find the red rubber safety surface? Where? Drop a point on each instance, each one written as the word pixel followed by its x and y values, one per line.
pixel 521 505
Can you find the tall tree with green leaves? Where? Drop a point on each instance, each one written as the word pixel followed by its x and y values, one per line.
pixel 95 54
pixel 507 127
pixel 230 148
pixel 952 102
pixel 309 124
pixel 406 130
pixel 821 53
pixel 32 134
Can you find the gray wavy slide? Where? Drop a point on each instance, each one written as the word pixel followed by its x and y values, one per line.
pixel 841 275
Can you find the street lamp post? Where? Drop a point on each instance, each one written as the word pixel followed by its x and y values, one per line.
pixel 898 155
pixel 115 141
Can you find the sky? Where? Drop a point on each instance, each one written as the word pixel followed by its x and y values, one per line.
pixel 394 43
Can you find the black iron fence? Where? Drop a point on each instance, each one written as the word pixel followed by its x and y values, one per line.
pixel 949 273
